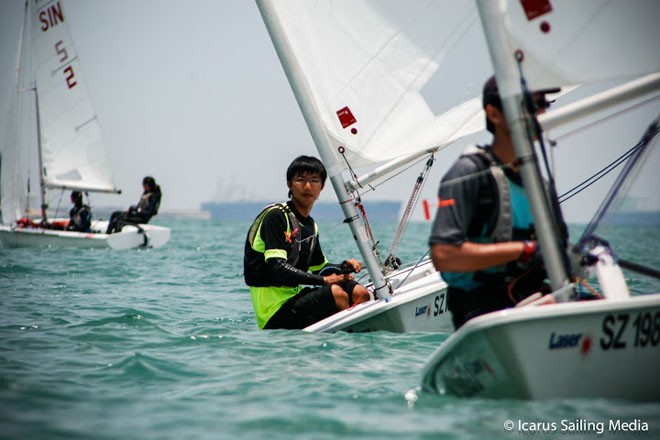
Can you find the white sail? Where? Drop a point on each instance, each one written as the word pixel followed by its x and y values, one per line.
pixel 15 160
pixel 72 153
pixel 576 42
pixel 365 64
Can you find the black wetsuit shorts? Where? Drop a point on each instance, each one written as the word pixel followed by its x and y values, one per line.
pixel 307 307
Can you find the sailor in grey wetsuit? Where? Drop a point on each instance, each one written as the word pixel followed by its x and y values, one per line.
pixel 483 239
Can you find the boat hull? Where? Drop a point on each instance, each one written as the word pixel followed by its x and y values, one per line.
pixel 150 236
pixel 590 349
pixel 419 303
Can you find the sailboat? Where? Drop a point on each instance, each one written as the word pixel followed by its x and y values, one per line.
pixel 358 70
pixel 556 346
pixel 53 132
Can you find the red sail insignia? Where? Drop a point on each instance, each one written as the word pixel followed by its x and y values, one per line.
pixel 535 8
pixel 345 116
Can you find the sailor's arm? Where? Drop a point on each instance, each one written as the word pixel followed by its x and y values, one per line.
pixel 470 257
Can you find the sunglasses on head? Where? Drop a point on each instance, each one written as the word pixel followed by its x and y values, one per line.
pixel 542 103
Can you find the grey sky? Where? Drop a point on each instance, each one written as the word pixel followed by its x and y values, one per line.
pixel 193 94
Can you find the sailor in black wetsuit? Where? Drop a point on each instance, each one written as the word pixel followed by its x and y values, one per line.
pixel 282 253
pixel 146 207
pixel 80 215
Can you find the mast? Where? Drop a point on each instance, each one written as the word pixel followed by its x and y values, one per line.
pixel 324 146
pixel 42 183
pixel 508 82
pixel 16 199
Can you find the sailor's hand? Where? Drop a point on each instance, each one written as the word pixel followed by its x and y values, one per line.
pixel 354 264
pixel 337 278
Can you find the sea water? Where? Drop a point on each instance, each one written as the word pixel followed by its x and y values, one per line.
pixel 163 344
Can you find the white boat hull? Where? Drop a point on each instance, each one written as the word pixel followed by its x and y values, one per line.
pixel 418 305
pixel 590 349
pixel 130 237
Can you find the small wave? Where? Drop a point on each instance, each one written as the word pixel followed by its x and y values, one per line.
pixel 130 317
pixel 141 368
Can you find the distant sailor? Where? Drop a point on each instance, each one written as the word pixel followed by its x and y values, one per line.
pixel 283 252
pixel 146 208
pixel 80 215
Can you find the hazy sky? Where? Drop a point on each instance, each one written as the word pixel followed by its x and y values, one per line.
pixel 193 94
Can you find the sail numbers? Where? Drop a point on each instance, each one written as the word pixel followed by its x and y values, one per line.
pixel 643 331
pixel 51 16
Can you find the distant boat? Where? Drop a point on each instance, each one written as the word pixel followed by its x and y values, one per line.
pixel 379 211
pixel 52 120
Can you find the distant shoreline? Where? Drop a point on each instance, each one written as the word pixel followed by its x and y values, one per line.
pixel 323 211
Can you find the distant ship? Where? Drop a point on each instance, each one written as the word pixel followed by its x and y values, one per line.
pixel 377 211
pixel 636 218
pixel 636 211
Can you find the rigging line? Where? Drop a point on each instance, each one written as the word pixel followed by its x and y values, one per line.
pixel 59 203
pixel 369 231
pixel 354 176
pixel 405 218
pixel 410 271
pixel 629 167
pixel 532 126
pixel 550 194
pixel 612 165
pixel 535 129
pixel 599 174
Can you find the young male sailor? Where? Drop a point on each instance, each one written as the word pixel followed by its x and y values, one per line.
pixel 483 238
pixel 282 253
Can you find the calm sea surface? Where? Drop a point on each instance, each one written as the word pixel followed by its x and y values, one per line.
pixel 163 344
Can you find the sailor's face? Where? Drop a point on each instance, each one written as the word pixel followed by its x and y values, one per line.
pixel 306 188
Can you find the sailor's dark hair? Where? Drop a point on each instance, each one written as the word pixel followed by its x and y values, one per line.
pixel 306 164
pixel 491 95
pixel 77 197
